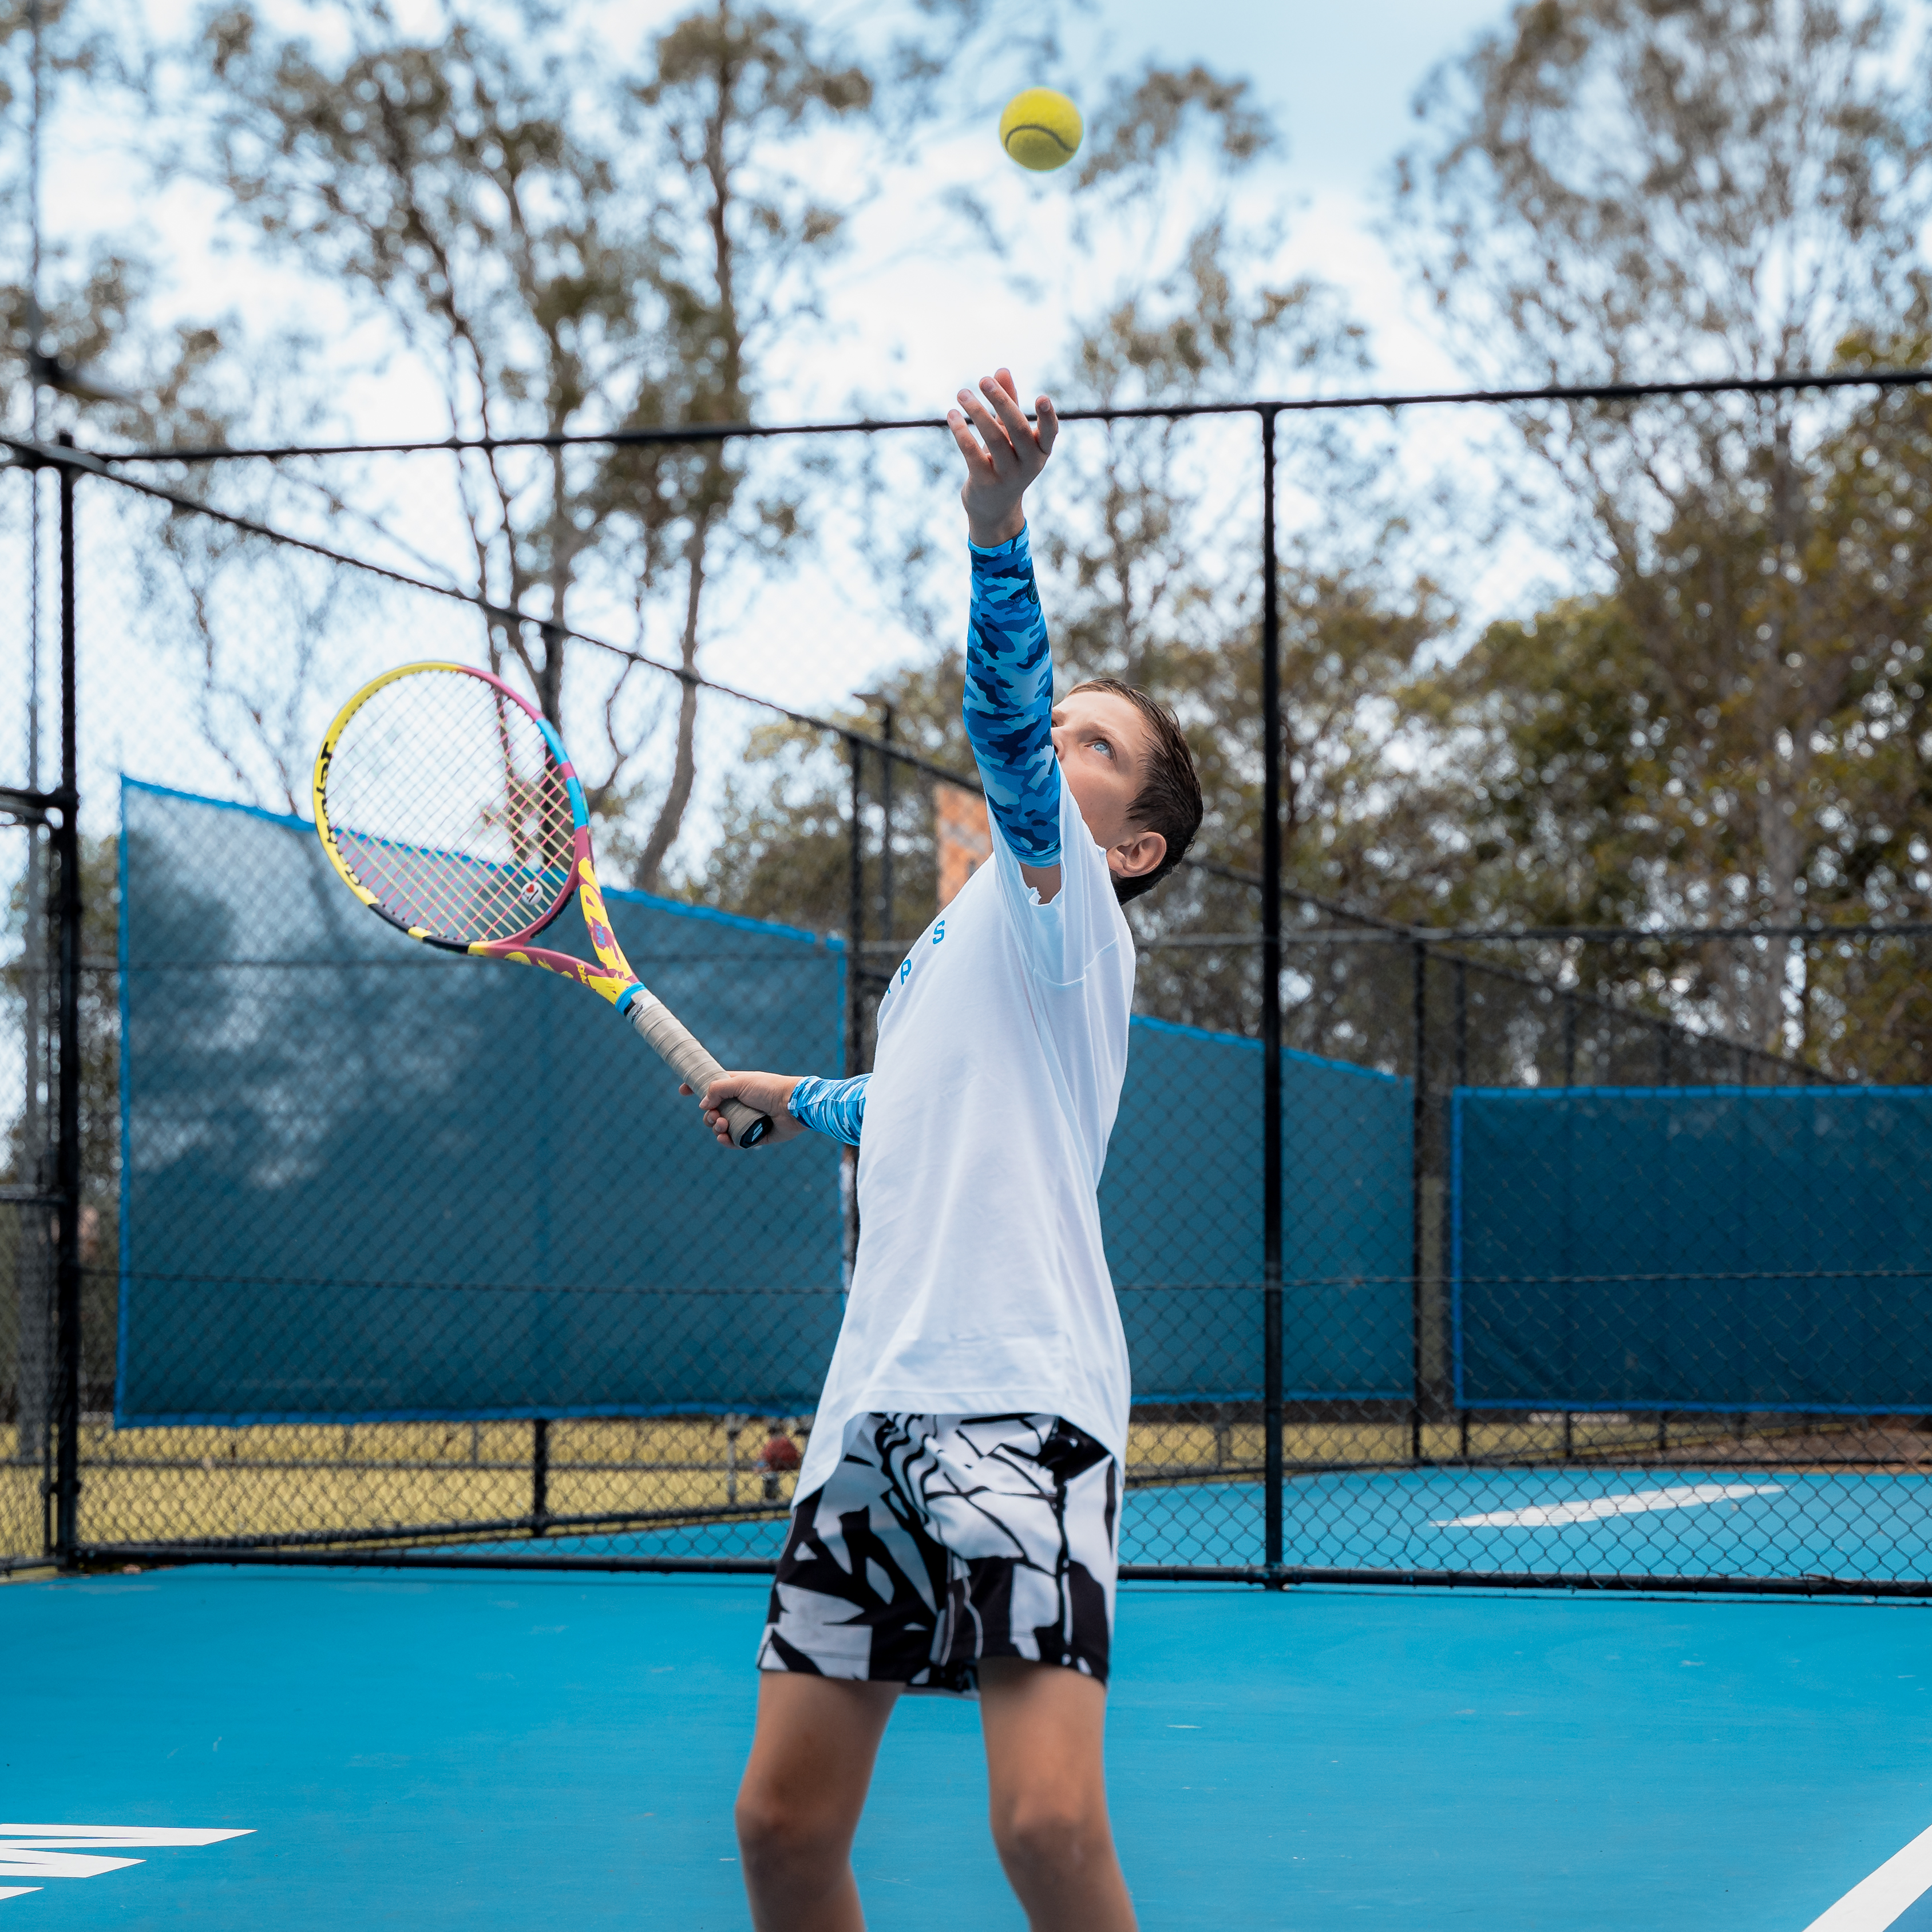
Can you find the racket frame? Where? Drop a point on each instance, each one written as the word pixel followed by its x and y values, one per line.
pixel 610 976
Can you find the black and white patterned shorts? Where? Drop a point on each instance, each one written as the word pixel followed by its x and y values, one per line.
pixel 941 1540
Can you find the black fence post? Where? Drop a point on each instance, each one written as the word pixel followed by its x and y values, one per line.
pixel 1451 1394
pixel 67 1166
pixel 540 1477
pixel 1271 1309
pixel 1421 1312
pixel 34 1406
pixel 855 915
pixel 855 992
pixel 1461 980
pixel 887 926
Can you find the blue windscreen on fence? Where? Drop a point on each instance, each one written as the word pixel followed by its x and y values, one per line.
pixel 364 1179
pixel 1714 1248
pixel 1181 1204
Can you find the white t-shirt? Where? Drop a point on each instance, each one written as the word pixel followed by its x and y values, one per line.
pixel 981 1285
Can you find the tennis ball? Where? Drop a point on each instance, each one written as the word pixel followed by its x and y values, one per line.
pixel 1040 129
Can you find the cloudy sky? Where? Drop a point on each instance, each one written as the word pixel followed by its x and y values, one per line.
pixel 1338 81
pixel 910 313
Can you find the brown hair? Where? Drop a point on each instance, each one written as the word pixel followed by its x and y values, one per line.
pixel 1169 800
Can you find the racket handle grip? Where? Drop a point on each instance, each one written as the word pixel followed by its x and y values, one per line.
pixel 674 1044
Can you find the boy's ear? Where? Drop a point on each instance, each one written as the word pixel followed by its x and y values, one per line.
pixel 1136 855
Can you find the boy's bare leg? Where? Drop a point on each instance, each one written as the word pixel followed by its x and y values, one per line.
pixel 1044 1726
pixel 803 1790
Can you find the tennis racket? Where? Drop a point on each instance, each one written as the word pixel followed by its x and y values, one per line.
pixel 449 805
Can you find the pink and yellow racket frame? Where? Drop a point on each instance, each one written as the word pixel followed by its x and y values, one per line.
pixel 611 975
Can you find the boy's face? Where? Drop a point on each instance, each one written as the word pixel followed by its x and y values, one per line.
pixel 1103 743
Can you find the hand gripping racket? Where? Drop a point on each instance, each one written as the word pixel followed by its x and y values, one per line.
pixel 449 805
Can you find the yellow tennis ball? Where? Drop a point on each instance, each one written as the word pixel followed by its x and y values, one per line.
pixel 1040 129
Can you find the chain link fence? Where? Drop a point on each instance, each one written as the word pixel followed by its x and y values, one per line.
pixel 1593 1255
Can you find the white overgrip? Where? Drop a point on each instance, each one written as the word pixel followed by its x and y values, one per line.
pixel 675 1045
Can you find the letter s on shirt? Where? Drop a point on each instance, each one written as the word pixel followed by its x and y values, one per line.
pixel 905 965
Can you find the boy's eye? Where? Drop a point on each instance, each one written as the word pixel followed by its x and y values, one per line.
pixel 1103 744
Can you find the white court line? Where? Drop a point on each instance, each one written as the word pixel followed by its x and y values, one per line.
pixel 62 1851
pixel 1591 1509
pixel 98 1836
pixel 1903 1880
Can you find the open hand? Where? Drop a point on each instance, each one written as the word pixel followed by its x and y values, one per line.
pixel 1008 453
pixel 764 1093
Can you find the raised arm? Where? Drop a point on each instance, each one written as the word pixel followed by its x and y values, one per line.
pixel 1008 700
pixel 1008 703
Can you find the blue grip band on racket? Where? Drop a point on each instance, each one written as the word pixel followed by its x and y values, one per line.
pixel 833 1107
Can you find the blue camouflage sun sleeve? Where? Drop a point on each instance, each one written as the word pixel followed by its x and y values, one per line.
pixel 834 1107
pixel 1008 703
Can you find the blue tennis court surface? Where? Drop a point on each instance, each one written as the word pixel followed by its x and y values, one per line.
pixel 520 1751
pixel 1664 1522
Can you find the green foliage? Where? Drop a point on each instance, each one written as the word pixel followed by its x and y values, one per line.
pixel 94 312
pixel 1739 732
pixel 1743 727
pixel 1142 120
pixel 562 240
pixel 1735 731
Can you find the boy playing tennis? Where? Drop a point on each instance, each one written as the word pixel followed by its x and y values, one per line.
pixel 957 1517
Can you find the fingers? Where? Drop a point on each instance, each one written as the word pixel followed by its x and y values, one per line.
pixel 998 391
pixel 1000 451
pixel 969 443
pixel 716 1122
pixel 1024 439
pixel 1003 453
pixel 727 1087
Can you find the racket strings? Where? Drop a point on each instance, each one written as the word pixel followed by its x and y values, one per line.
pixel 447 805
pixel 493 890
pixel 499 895
pixel 484 860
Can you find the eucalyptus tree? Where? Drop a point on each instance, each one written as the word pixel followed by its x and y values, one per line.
pixel 1628 191
pixel 740 235
pixel 87 334
pixel 563 240
pixel 1590 791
